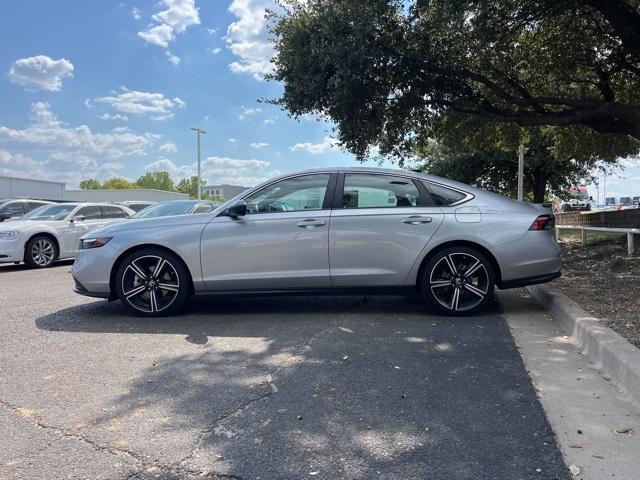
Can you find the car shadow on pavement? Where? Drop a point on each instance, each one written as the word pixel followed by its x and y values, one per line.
pixel 329 387
pixel 11 267
pixel 215 315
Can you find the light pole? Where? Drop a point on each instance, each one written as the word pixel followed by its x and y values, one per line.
pixel 520 170
pixel 198 132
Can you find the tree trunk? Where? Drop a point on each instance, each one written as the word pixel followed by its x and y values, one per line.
pixel 539 187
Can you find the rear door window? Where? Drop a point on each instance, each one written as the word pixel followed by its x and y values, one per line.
pixel 14 209
pixel 113 212
pixel 378 191
pixel 90 213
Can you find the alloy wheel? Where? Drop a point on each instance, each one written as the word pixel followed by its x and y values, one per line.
pixel 150 284
pixel 459 281
pixel 43 252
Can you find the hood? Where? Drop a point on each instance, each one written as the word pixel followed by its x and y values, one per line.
pixel 25 224
pixel 131 224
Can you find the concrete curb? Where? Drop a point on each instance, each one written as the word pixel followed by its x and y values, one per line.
pixel 602 346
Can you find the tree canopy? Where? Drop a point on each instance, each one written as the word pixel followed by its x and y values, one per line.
pixel 157 180
pixel 388 71
pixel 485 154
pixel 161 180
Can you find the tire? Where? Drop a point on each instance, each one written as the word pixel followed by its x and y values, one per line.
pixel 448 290
pixel 144 293
pixel 41 251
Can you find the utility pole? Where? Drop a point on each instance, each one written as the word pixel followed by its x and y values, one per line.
pixel 198 132
pixel 520 170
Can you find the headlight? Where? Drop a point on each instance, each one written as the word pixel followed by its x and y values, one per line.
pixel 93 242
pixel 8 235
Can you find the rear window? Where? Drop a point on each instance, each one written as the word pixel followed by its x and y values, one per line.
pixel 443 196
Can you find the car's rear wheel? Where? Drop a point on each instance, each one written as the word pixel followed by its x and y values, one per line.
pixel 152 283
pixel 41 251
pixel 457 281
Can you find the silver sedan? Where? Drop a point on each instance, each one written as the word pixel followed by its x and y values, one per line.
pixel 345 230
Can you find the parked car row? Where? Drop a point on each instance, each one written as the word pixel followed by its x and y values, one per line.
pixel 51 231
pixel 322 231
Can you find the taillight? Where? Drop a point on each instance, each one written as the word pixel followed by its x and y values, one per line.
pixel 544 222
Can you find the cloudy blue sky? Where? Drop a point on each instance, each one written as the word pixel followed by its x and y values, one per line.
pixel 97 89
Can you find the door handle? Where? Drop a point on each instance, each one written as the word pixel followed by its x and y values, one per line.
pixel 311 222
pixel 417 220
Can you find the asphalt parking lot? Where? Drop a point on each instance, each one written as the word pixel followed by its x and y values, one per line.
pixel 268 388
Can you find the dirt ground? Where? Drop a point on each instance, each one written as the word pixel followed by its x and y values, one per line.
pixel 604 281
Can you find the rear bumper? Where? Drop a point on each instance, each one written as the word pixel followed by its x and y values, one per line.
pixel 523 282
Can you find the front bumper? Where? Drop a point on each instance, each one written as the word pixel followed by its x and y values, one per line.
pixel 11 251
pixel 91 271
pixel 79 288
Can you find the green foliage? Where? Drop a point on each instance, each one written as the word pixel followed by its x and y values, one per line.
pixel 190 187
pixel 90 184
pixel 118 183
pixel 388 71
pixel 156 180
pixel 485 154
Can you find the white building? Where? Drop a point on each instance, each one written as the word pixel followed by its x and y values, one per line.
pixel 12 187
pixel 223 190
pixel 123 195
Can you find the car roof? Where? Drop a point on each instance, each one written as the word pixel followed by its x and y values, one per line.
pixel 391 171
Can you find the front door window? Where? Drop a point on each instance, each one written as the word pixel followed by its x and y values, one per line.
pixel 301 193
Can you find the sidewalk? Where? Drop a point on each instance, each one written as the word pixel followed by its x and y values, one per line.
pixel 585 411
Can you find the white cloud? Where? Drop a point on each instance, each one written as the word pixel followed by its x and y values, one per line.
pixel 40 72
pixel 271 120
pixel 216 50
pixel 49 136
pixel 248 112
pixel 136 13
pixel 173 58
pixel 168 147
pixel 220 170
pixel 68 154
pixel 247 38
pixel 142 103
pixel 315 148
pixel 211 31
pixel 258 145
pixel 117 116
pixel 175 19
pixel 233 140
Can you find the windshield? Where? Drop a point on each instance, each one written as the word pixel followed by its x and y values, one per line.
pixel 164 210
pixel 49 212
pixel 579 195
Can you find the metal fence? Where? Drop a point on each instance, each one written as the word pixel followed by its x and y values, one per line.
pixel 584 229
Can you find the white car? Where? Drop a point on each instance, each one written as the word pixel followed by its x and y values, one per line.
pixel 52 232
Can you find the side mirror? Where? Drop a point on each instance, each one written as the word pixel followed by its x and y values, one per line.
pixel 238 209
pixel 591 198
pixel 78 218
pixel 4 216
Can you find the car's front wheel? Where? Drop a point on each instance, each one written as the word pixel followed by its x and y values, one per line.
pixel 152 282
pixel 41 251
pixel 457 281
